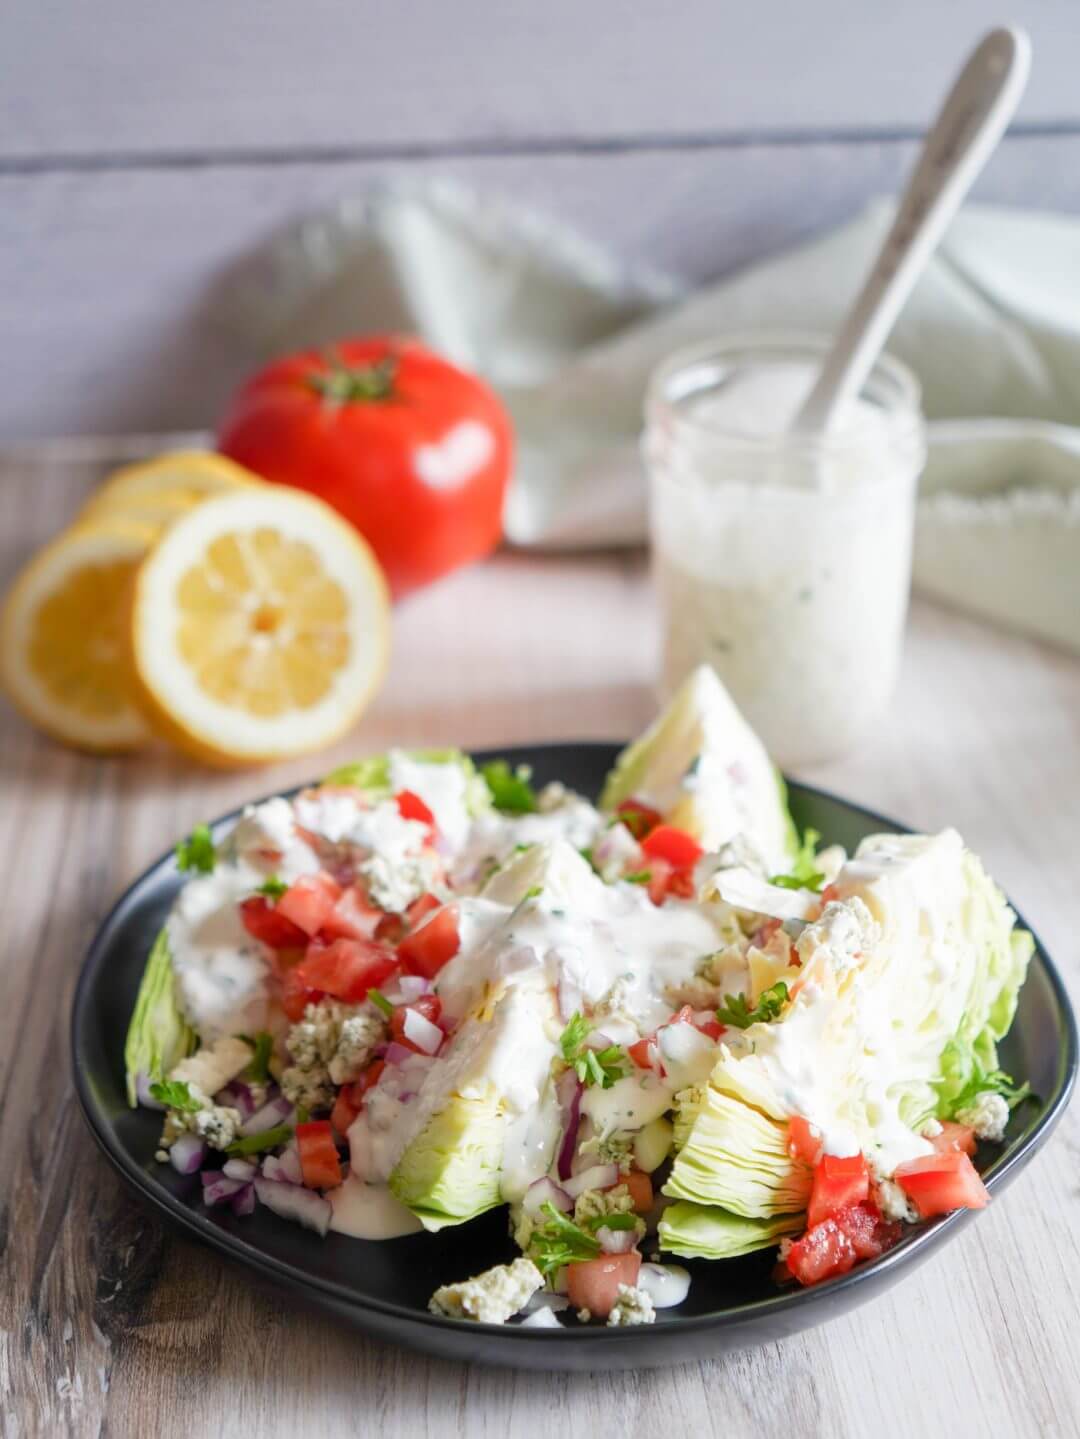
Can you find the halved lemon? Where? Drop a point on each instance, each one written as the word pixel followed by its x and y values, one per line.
pixel 194 473
pixel 260 627
pixel 63 637
pixel 157 507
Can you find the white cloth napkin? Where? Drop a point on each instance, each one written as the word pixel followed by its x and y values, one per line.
pixel 569 336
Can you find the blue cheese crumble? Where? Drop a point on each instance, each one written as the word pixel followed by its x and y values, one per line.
pixel 492 1297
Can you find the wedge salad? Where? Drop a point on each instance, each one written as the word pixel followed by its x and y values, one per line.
pixel 662 1027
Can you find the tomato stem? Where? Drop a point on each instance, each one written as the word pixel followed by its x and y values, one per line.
pixel 365 384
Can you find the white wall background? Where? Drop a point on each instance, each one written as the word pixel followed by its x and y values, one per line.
pixel 146 148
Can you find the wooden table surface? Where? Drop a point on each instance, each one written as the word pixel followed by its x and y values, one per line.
pixel 110 1322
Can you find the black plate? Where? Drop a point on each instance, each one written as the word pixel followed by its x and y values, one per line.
pixel 384 1287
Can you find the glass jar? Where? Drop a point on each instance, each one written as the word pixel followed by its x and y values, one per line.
pixel 783 559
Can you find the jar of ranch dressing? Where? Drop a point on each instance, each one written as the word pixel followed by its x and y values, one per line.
pixel 781 559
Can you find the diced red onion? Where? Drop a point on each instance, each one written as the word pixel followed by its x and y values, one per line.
pixel 217 1188
pixel 244 1202
pixel 616 1241
pixel 380 1049
pixel 274 1168
pixel 272 1113
pixel 412 986
pixel 568 1089
pixel 292 1201
pixel 142 1092
pixel 544 1191
pixel 187 1154
pixel 243 1169
pixel 290 1159
pixel 419 1030
pixel 398 1053
pixel 237 1096
pixel 599 1176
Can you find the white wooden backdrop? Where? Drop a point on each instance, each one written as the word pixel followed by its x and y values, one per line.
pixel 145 149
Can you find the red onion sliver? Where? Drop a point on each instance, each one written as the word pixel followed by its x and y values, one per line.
pixel 419 1030
pixel 244 1202
pixel 237 1095
pixel 412 986
pixel 398 1053
pixel 272 1113
pixel 544 1191
pixel 616 1241
pixel 599 1176
pixel 187 1154
pixel 569 1089
pixel 294 1202
pixel 290 1163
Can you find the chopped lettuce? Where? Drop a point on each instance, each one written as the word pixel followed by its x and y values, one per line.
pixel 701 765
pixel 701 1231
pixel 158 1036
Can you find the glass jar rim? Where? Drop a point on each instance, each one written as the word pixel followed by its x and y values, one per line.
pixel 661 406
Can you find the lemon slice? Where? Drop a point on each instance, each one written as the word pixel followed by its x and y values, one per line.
pixel 193 473
pixel 63 637
pixel 260 627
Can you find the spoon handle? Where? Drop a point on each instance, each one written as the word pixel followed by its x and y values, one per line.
pixel 972 120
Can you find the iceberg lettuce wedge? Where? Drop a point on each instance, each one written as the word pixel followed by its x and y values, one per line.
pixel 158 1035
pixel 701 1231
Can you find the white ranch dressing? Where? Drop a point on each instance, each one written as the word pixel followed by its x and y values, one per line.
pixel 366 1211
pixel 787 569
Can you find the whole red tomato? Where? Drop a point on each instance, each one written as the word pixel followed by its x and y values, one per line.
pixel 413 451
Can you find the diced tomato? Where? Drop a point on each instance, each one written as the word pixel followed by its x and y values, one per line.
pixel 391 929
pixel 425 950
pixel 869 1232
pixel 954 1136
pixel 940 1183
pixel 347 969
pixel 804 1140
pixel 352 917
pixel 319 1161
pixel 641 1193
pixel 411 806
pixel 659 879
pixel 429 1005
pixel 828 894
pixel 593 1284
pixel 309 902
pixel 262 920
pixel 838 1184
pixel 837 1244
pixel 711 1027
pixel 421 907
pixel 368 1080
pixel 673 846
pixel 644 1053
pixel 822 1252
pixel 638 818
pixel 343 1112
pixel 296 995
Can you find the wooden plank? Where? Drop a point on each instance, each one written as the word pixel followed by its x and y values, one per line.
pixel 203 78
pixel 110 1323
pixel 116 306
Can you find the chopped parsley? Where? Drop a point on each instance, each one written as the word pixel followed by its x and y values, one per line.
pixel 175 1094
pixel 736 1012
pixel 256 1143
pixel 812 881
pixel 534 893
pixel 592 1066
pixel 197 851
pixel 639 876
pixel 560 1241
pixel 612 1221
pixel 510 789
pixel 273 888
pixel 380 1001
pixel 258 1071
pixel 993 1081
